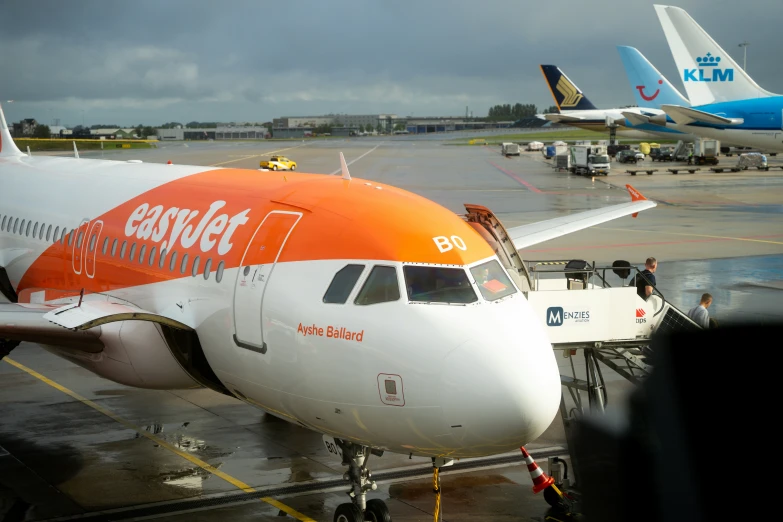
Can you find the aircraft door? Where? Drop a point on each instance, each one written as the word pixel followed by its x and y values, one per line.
pixel 254 273
pixel 92 243
pixel 77 246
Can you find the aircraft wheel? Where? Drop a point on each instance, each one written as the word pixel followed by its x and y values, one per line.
pixel 377 511
pixel 348 513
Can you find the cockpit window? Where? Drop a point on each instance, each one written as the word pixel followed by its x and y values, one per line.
pixel 342 284
pixel 433 284
pixel 492 280
pixel 381 287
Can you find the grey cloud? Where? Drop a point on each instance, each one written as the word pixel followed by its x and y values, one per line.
pixel 151 62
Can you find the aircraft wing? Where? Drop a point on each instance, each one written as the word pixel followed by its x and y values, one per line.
pixel 635 118
pixel 534 233
pixel 559 118
pixel 25 322
pixel 686 115
pixel 71 325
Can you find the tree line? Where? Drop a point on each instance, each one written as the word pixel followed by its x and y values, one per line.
pixel 508 112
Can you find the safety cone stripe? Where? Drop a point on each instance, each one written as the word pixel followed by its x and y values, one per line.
pixel 535 473
pixel 529 460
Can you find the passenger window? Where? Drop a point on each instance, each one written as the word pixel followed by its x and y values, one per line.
pixel 195 266
pixel 219 273
pixel 27 231
pixel 162 258
pixel 49 233
pixel 381 287
pixel 153 257
pixel 492 280
pixel 105 246
pixel 16 224
pixel 79 239
pixel 21 228
pixel 141 254
pixel 114 247
pixel 432 284
pixel 132 255
pixel 70 237
pixel 184 265
pixel 5 218
pixel 122 250
pixel 342 284
pixel 173 262
pixel 93 240
pixel 35 230
pixel 62 236
pixel 207 268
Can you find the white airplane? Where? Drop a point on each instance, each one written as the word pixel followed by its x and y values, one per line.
pixel 577 111
pixel 349 307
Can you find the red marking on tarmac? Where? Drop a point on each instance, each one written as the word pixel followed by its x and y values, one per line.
pixel 625 245
pixel 516 178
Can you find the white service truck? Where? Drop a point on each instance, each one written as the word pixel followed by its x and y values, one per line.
pixel 587 161
pixel 705 152
pixel 510 149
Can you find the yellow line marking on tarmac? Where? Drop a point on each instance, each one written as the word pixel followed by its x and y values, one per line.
pixel 198 462
pixel 752 240
pixel 254 156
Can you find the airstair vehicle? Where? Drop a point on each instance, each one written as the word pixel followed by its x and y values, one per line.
pixel 595 309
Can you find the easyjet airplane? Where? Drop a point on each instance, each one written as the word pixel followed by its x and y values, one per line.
pixel 349 307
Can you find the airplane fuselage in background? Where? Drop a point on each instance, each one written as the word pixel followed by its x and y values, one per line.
pixel 595 120
pixel 762 125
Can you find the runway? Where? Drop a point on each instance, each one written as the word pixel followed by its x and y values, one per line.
pixel 74 445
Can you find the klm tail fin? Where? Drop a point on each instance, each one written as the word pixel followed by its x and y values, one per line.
pixel 650 87
pixel 566 94
pixel 7 145
pixel 708 72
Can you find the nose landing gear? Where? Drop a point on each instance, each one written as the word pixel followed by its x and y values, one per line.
pixel 355 456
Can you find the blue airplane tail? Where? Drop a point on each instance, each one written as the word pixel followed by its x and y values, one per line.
pixel 566 94
pixel 650 88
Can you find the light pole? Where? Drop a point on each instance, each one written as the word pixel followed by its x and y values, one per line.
pixel 744 46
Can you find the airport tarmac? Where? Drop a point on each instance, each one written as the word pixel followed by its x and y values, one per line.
pixel 73 444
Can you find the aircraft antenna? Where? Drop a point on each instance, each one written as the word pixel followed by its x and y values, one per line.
pixel 344 167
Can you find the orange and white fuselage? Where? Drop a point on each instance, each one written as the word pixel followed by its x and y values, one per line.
pixel 245 259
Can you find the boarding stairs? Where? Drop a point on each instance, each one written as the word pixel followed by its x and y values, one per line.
pixel 681 151
pixel 593 308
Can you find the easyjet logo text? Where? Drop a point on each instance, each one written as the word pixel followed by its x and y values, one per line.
pixel 182 226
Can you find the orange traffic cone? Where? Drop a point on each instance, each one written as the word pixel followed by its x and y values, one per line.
pixel 540 480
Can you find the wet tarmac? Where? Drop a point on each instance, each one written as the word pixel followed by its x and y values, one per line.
pixel 186 455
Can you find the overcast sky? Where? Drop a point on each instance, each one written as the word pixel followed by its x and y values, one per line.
pixel 140 61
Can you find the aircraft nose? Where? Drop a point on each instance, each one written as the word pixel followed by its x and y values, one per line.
pixel 500 393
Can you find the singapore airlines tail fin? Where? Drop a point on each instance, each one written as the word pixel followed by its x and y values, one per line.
pixel 708 72
pixel 567 95
pixel 7 145
pixel 650 87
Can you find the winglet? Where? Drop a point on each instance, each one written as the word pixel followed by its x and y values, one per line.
pixel 635 196
pixel 75 151
pixel 7 145
pixel 344 167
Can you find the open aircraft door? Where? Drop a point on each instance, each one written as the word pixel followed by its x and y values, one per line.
pixel 255 270
pixel 492 230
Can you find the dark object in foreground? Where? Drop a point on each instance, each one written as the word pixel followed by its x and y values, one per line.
pixel 673 456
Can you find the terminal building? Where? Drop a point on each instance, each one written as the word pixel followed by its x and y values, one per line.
pixel 228 132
